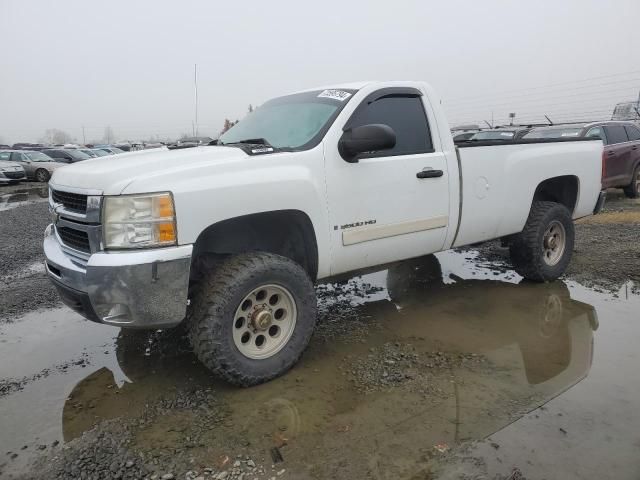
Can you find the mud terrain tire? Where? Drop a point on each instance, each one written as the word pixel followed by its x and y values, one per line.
pixel 529 248
pixel 214 307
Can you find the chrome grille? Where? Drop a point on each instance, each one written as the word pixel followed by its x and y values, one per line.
pixel 14 175
pixel 77 239
pixel 71 201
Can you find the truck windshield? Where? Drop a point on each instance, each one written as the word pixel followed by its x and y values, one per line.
pixel 295 121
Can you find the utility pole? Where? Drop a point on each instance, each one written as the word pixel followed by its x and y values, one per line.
pixel 84 140
pixel 195 84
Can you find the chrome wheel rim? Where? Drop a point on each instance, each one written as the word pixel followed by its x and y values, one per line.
pixel 41 176
pixel 638 183
pixel 264 321
pixel 553 243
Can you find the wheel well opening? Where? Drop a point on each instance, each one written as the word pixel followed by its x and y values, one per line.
pixel 563 190
pixel 288 233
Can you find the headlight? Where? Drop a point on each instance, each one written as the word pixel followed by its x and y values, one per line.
pixel 138 221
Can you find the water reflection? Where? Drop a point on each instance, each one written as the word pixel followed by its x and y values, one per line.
pixel 23 196
pixel 469 356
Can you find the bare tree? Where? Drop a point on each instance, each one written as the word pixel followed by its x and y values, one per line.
pixel 54 135
pixel 250 108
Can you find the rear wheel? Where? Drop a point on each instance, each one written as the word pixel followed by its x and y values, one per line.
pixel 42 175
pixel 252 317
pixel 633 189
pixel 542 251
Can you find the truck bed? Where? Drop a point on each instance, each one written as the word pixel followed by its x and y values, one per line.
pixel 495 201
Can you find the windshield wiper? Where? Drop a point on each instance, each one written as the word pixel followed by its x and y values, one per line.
pixel 251 141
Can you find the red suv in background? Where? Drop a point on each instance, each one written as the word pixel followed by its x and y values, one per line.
pixel 621 157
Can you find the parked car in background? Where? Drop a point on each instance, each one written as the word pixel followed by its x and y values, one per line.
pixel 621 157
pixel 37 165
pixel 89 152
pixel 463 136
pixel 10 172
pixel 27 146
pixel 153 145
pixel 4 147
pixel 502 133
pixel 66 155
pixel 193 142
pixel 100 153
pixel 111 150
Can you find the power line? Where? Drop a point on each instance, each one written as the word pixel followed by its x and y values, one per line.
pixel 633 72
pixel 583 96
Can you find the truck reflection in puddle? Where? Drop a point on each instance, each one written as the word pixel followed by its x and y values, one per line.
pixel 442 361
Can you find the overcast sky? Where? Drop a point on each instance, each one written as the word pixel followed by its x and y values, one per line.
pixel 129 64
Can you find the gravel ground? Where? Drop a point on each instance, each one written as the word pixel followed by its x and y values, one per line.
pixel 110 451
pixel 401 365
pixel 23 284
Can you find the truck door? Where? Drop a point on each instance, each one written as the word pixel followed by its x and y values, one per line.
pixel 618 152
pixel 391 204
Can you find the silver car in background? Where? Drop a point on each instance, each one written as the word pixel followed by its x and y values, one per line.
pixel 37 165
pixel 10 172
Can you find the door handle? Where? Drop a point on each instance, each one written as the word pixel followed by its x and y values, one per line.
pixel 429 174
pixel 611 153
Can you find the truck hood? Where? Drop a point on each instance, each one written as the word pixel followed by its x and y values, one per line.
pixel 111 175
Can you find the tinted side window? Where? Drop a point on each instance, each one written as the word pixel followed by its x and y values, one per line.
pixel 405 115
pixel 595 132
pixel 616 134
pixel 56 154
pixel 17 157
pixel 632 132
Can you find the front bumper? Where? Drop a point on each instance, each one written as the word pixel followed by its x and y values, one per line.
pixel 132 289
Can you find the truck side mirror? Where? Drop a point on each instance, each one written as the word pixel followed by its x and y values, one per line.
pixel 366 138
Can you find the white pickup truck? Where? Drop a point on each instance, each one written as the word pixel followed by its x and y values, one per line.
pixel 231 237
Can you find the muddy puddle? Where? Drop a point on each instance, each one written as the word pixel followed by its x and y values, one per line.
pixel 406 364
pixel 23 196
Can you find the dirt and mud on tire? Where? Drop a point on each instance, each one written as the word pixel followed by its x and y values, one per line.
pixel 542 251
pixel 252 317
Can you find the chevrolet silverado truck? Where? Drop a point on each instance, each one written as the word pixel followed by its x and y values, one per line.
pixel 230 238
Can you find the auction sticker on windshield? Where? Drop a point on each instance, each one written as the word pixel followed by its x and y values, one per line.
pixel 339 95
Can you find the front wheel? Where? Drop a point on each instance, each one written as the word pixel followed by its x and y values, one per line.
pixel 542 251
pixel 252 317
pixel 42 175
pixel 633 189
